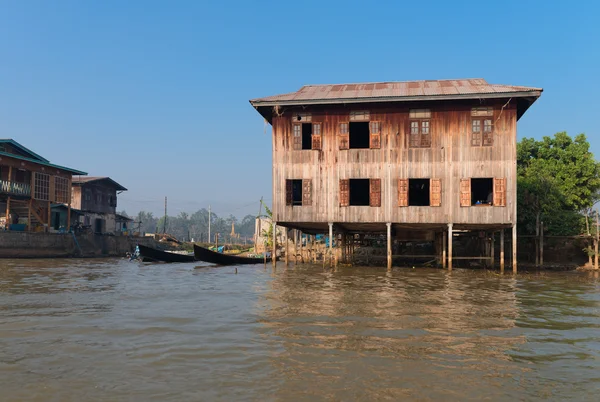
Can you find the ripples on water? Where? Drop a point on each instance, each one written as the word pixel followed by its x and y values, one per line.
pixel 115 330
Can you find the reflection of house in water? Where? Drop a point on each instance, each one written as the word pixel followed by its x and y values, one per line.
pixel 96 199
pixel 413 326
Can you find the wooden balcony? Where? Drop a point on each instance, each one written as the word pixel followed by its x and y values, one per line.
pixel 15 188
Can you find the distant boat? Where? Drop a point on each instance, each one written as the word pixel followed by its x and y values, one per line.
pixel 149 254
pixel 206 255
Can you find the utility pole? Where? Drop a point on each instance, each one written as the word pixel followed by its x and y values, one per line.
pixel 257 229
pixel 209 224
pixel 165 225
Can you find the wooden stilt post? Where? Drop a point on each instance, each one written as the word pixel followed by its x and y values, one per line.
pixel 502 251
pixel 8 220
pixel 537 240
pixel 542 244
pixel 287 248
pixel 314 247
pixel 29 214
pixel 344 248
pixel 49 216
pixel 514 248
pixel 389 245
pixel 449 247
pixel 330 242
pixel 493 260
pixel 68 228
pixel 295 247
pixel 444 245
pixel 597 239
pixel 274 254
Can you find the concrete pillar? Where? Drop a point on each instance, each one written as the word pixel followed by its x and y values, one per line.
pixel 444 245
pixel 389 245
pixel 502 251
pixel 514 248
pixel 274 256
pixel 449 247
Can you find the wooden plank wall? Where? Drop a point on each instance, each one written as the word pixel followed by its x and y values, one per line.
pixel 450 158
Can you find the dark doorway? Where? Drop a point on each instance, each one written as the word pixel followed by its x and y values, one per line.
pixel 98 225
pixel 482 191
pixel 359 192
pixel 359 135
pixel 296 192
pixel 418 192
pixel 56 220
pixel 306 136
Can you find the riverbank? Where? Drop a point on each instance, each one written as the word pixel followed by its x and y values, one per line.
pixel 51 245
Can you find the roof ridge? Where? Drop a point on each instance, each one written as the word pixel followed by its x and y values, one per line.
pixel 396 82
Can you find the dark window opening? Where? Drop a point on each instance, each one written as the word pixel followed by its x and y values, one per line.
pixel 359 135
pixel 296 192
pixel 482 191
pixel 418 192
pixel 359 191
pixel 306 136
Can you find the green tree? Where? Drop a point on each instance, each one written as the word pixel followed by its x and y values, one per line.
pixel 558 178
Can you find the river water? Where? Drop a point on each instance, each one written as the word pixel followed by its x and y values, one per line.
pixel 99 330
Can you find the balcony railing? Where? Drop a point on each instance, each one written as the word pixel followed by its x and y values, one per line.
pixel 12 188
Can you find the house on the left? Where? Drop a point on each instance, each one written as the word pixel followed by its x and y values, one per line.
pixel 29 185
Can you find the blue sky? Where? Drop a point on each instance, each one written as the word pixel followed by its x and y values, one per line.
pixel 155 93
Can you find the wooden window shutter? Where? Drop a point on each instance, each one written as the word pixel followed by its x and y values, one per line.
pixel 465 192
pixel 316 136
pixel 435 192
pixel 289 192
pixel 297 136
pixel 403 192
pixel 375 192
pixel 307 192
pixel 375 135
pixel 500 192
pixel 344 135
pixel 344 192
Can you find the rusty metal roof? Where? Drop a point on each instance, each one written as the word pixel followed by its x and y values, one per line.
pixel 78 181
pixel 396 91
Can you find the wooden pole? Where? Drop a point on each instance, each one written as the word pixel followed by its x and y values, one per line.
pixel 449 247
pixel 542 243
pixel 68 217
pixel 274 254
pixel 295 246
pixel 287 254
pixel 514 248
pixel 314 247
pixel 389 245
pixel 502 251
pixel 8 220
pixel 444 245
pixel 537 240
pixel 330 242
pixel 492 262
pixel 596 244
pixel 29 214
pixel 49 216
pixel 209 227
pixel 344 251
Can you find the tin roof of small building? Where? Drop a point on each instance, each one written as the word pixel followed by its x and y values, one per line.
pixel 78 181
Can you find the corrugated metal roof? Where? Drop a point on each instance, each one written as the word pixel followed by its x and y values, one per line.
pixel 381 90
pixel 77 181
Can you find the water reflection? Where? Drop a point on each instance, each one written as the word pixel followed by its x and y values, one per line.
pixel 114 330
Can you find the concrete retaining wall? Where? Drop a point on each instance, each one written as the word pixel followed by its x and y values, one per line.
pixel 49 245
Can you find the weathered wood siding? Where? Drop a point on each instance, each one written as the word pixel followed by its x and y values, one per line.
pixel 450 158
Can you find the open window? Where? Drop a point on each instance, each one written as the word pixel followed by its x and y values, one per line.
pixel 360 136
pixel 298 192
pixel 419 192
pixel 305 133
pixel 482 192
pixel 360 192
pixel 360 132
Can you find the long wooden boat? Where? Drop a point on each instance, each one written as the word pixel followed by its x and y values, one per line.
pixel 149 254
pixel 206 255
